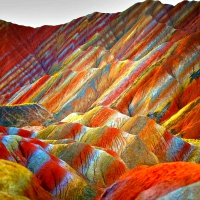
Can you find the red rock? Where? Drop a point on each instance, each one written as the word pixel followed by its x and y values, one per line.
pixel 155 181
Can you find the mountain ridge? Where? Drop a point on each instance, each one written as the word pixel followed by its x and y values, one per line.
pixel 91 105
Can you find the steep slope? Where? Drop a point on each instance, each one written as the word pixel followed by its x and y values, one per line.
pixel 103 107
pixel 153 184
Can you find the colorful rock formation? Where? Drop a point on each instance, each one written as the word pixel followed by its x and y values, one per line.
pixel 103 107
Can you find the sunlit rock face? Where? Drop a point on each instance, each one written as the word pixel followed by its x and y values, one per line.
pixel 17 182
pixel 106 106
pixel 154 182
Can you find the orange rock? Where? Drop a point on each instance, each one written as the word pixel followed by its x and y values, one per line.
pixel 155 181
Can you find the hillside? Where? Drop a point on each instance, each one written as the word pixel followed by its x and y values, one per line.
pixel 106 106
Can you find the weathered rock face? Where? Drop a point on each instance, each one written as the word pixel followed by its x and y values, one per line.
pixel 104 107
pixel 24 115
pixel 55 175
pixel 187 192
pixel 153 182
pixel 17 182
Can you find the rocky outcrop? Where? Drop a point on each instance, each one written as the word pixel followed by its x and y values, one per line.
pixel 17 182
pixel 154 182
pixel 103 107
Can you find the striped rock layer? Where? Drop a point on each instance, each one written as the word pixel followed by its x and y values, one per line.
pixel 103 107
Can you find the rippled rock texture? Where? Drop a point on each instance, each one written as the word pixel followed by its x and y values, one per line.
pixel 106 106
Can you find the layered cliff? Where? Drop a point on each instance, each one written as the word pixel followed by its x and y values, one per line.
pixel 101 105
